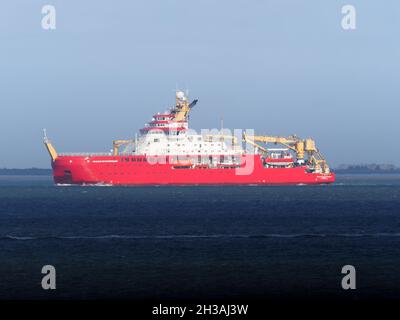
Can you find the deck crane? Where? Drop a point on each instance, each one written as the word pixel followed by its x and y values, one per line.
pixel 51 150
pixel 183 107
pixel 118 143
pixel 300 146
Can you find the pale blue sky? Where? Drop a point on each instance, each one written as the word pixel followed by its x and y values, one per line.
pixel 280 67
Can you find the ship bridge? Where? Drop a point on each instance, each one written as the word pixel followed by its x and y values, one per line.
pixel 173 122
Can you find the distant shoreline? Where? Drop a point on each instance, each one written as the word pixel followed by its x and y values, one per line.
pixel 48 172
pixel 364 172
pixel 26 172
pixel 367 169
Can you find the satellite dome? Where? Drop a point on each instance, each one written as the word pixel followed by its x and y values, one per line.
pixel 180 94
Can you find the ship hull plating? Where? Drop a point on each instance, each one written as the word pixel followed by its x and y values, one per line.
pixel 124 170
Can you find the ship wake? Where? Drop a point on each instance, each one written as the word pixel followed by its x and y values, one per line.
pixel 209 236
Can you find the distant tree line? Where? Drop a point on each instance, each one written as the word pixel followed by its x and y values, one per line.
pixel 25 172
pixel 367 168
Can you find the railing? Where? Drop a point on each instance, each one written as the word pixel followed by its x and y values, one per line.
pixel 85 154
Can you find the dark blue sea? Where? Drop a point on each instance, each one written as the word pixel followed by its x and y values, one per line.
pixel 200 242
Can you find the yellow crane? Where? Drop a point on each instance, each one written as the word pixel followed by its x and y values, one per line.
pixel 51 150
pixel 118 143
pixel 299 146
pixel 182 106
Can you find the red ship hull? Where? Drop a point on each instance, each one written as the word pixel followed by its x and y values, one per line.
pixel 135 170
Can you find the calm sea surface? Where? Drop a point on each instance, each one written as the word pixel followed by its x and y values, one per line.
pixel 200 242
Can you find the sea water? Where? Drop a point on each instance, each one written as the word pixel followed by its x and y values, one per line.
pixel 200 242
